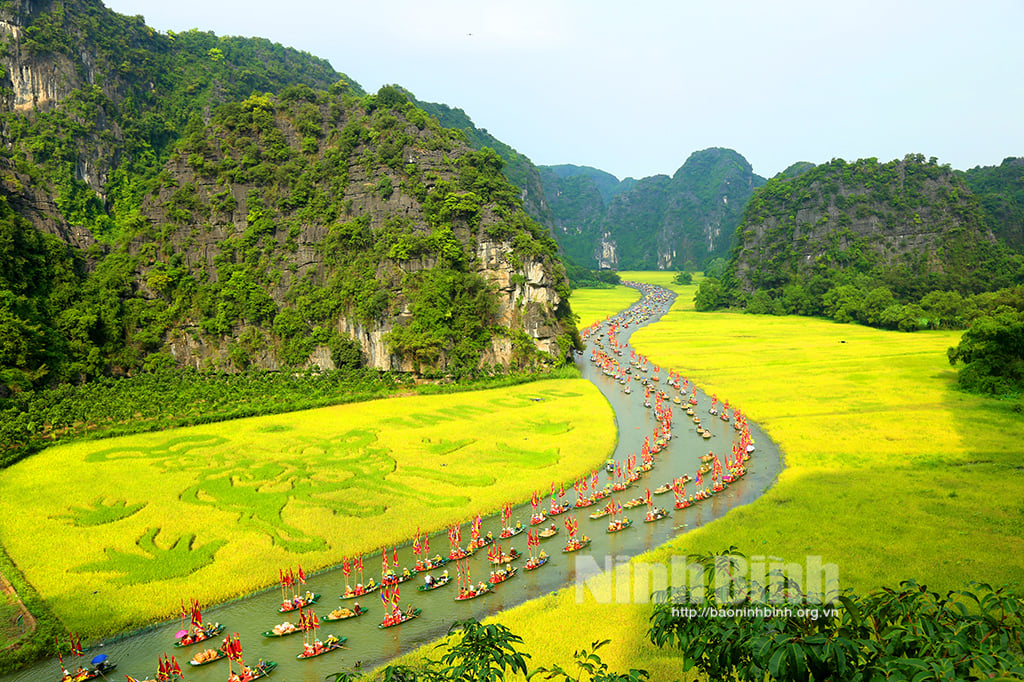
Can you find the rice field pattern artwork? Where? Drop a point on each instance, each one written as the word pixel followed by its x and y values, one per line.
pixel 220 507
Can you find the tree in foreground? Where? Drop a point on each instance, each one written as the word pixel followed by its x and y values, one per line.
pixel 909 633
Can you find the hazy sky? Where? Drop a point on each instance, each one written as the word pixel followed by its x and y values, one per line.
pixel 633 88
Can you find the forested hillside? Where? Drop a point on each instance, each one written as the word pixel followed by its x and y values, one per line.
pixel 903 244
pixel 1000 190
pixel 220 202
pixel 653 223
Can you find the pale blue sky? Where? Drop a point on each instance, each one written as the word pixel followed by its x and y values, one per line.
pixel 635 88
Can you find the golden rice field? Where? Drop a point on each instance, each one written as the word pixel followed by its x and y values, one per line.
pixel 593 305
pixel 113 532
pixel 891 473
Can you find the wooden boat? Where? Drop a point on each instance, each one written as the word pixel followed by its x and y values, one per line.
pixel 340 614
pixel 577 545
pixel 407 616
pixel 501 576
pixel 356 593
pixel 263 669
pixel 662 489
pixel 512 555
pixel 557 509
pixel 656 514
pixel 91 674
pixel 635 502
pixel 583 503
pixel 466 596
pixel 531 565
pixel 440 582
pixel 707 458
pixel 299 603
pixel 429 564
pixel 332 643
pixel 547 533
pixel 706 435
pixel 510 532
pixel 479 543
pixel 683 504
pixel 599 514
pixel 279 632
pixel 615 527
pixel 393 578
pixel 538 518
pixel 207 632
pixel 209 656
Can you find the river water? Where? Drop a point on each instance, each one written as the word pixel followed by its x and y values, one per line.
pixel 370 646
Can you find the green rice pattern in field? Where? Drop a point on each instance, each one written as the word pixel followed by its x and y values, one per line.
pixel 216 510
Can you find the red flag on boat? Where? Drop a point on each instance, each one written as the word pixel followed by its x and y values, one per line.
pixel 426 544
pixel 302 576
pixel 394 558
pixel 384 559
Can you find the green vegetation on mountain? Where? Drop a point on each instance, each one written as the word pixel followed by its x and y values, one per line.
pixel 1000 191
pixel 653 223
pixel 883 244
pixel 228 203
pixel 899 245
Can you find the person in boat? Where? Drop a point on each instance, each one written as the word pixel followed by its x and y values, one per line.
pixel 519 525
pixel 405 573
pixel 356 609
pixel 542 556
pixel 370 584
pixel 444 574
pixel 429 580
pixel 481 587
pixel 490 536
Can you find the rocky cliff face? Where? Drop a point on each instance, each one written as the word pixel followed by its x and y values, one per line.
pixel 398 223
pixel 656 222
pixel 270 231
pixel 908 214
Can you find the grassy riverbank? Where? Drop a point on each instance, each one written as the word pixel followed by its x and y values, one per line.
pixel 112 533
pixel 891 473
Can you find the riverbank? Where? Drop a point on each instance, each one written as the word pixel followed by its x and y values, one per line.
pixel 891 473
pixel 215 511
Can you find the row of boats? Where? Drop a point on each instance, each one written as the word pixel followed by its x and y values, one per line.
pixel 434 568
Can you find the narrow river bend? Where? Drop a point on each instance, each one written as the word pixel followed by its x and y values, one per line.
pixel 137 654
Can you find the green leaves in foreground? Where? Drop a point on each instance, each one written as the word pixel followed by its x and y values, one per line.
pixel 180 560
pixel 908 633
pixel 488 653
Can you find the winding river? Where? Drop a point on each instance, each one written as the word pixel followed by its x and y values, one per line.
pixel 137 654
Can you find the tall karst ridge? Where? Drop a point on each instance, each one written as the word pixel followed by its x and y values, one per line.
pixel 227 202
pixel 653 223
pixel 910 224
